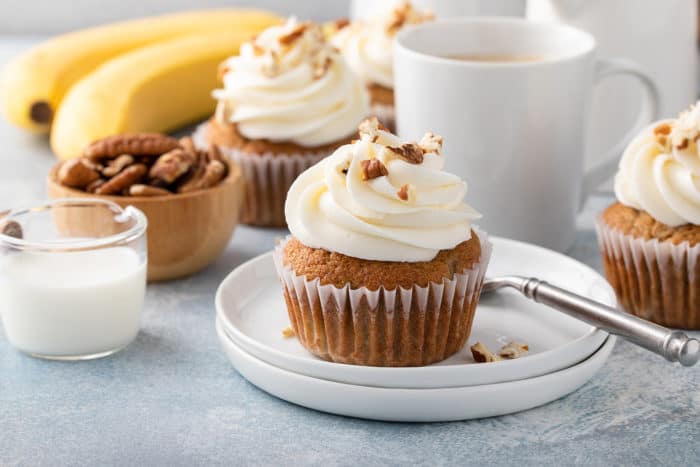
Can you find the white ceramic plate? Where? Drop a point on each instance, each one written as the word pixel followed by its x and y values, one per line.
pixel 412 405
pixel 250 305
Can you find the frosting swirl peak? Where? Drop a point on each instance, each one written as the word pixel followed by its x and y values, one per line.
pixel 289 84
pixel 368 46
pixel 381 199
pixel 660 170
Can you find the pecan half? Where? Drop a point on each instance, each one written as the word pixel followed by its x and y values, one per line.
pixel 147 190
pixel 171 166
pixel 482 354
pixel 410 152
pixel 76 173
pixel 138 144
pixel 115 166
pixel 130 176
pixel 373 168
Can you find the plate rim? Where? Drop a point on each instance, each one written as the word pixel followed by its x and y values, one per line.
pixel 235 334
pixel 596 359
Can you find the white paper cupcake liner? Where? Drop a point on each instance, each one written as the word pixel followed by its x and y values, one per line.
pixel 399 327
pixel 268 179
pixel 655 280
pixel 386 114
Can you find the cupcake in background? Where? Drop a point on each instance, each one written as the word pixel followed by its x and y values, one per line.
pixel 367 47
pixel 288 100
pixel 650 238
pixel 383 266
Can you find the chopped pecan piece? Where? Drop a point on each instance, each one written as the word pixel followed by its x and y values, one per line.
pixel 341 23
pixel 482 354
pixel 370 127
pixel 171 166
pixel 410 152
pixel 76 173
pixel 404 192
pixel 431 143
pixel 188 144
pixel 294 34
pixel 117 165
pixel 373 168
pixel 138 144
pixel 129 176
pixel 513 350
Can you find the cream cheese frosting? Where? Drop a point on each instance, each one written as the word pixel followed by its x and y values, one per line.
pixel 367 46
pixel 289 85
pixel 660 171
pixel 381 199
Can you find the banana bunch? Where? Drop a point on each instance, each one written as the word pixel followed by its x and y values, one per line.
pixel 151 74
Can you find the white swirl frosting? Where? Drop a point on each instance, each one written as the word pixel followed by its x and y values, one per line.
pixel 660 171
pixel 367 47
pixel 289 85
pixel 408 212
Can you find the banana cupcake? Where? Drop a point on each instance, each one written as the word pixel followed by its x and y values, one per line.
pixel 383 266
pixel 288 100
pixel 367 47
pixel 650 237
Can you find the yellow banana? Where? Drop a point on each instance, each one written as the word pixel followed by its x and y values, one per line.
pixel 33 84
pixel 158 88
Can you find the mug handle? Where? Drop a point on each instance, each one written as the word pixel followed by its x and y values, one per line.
pixel 611 67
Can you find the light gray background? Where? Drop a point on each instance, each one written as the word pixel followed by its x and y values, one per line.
pixel 51 16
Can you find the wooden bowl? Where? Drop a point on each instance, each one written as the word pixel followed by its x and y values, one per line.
pixel 186 232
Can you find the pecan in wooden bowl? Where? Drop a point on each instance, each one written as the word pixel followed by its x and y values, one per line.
pixel 191 198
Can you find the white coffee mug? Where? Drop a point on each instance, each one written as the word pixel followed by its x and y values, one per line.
pixel 364 9
pixel 513 129
pixel 661 36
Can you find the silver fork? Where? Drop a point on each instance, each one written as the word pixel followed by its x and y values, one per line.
pixel 674 346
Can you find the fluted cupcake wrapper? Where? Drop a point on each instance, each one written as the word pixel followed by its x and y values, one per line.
pixel 400 327
pixel 268 179
pixel 386 114
pixel 655 280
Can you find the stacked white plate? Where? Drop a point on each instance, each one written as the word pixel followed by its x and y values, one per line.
pixel 564 353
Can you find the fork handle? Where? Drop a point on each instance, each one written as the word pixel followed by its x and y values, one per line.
pixel 675 346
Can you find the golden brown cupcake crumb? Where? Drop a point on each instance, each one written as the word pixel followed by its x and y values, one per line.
pixel 339 269
pixel 639 224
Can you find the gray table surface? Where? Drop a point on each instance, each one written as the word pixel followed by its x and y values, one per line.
pixel 172 397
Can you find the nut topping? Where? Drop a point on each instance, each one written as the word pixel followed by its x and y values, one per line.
pixel 513 350
pixel 12 229
pixel 373 168
pixel 407 192
pixel 482 354
pixel 431 143
pixel 410 152
pixel 370 128
pixel 294 34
